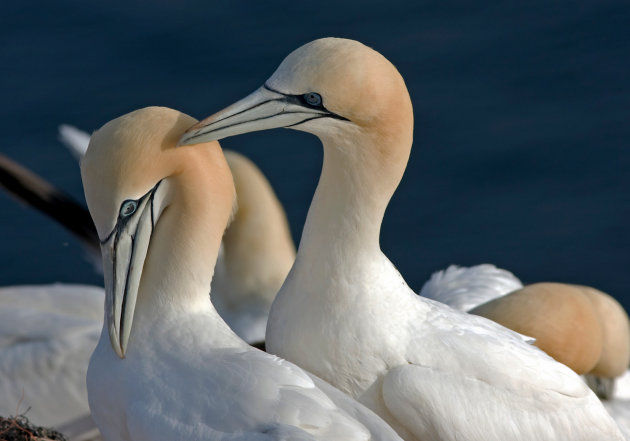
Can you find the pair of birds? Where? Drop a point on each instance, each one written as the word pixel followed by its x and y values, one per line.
pixel 168 367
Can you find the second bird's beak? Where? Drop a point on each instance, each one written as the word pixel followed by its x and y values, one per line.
pixel 264 109
pixel 124 252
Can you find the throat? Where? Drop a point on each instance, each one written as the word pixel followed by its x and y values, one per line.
pixel 179 265
pixel 344 220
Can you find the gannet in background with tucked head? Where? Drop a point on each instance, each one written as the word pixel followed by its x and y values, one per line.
pixel 167 367
pixel 257 251
pixel 579 326
pixel 346 314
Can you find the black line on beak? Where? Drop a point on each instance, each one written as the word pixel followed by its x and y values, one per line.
pixel 301 101
pixel 306 120
pixel 123 307
pixel 258 119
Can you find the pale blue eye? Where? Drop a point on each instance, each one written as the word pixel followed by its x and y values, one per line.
pixel 313 99
pixel 128 208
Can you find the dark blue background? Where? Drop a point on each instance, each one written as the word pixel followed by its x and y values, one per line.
pixel 522 119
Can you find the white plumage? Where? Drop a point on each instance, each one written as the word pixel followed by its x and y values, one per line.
pixel 464 288
pixel 47 334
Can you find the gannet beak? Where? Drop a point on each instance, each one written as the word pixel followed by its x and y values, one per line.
pixel 264 109
pixel 124 252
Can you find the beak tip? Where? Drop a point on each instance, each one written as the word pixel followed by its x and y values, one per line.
pixel 119 351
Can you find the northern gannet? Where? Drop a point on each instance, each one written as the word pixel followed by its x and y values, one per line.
pixel 580 326
pixel 167 366
pixel 345 312
pixel 257 251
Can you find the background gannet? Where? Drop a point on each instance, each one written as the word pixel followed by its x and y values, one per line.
pixel 167 366
pixel 432 372
pixel 258 253
pixel 579 326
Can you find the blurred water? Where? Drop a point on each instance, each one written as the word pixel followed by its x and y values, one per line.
pixel 522 119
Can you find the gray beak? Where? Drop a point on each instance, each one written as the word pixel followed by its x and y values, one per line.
pixel 264 109
pixel 124 252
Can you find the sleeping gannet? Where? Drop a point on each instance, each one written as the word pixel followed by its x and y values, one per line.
pixel 580 326
pixel 166 366
pixel 346 314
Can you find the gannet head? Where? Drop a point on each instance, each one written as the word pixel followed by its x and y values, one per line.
pixel 330 87
pixel 130 173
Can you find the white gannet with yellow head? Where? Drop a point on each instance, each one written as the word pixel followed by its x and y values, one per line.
pixel 346 314
pixel 257 251
pixel 167 367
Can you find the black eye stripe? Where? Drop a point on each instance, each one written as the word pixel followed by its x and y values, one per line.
pixel 123 219
pixel 301 99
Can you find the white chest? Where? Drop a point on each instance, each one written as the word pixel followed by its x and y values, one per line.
pixel 341 328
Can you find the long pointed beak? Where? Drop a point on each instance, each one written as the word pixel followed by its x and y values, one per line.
pixel 264 109
pixel 124 252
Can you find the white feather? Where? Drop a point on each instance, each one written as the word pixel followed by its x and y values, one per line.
pixel 75 140
pixel 464 288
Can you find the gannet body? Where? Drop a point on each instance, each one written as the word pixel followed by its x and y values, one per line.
pixel 257 251
pixel 166 365
pixel 346 314
pixel 619 406
pixel 47 334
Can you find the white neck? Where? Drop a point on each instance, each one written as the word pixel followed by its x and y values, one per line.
pixel 339 265
pixel 343 224
pixel 178 269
